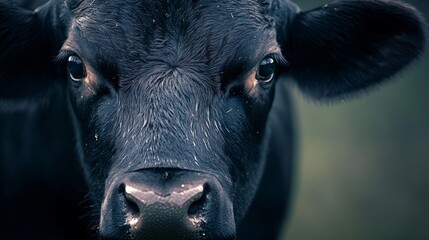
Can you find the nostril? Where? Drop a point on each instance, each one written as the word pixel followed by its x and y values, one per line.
pixel 134 209
pixel 197 207
pixel 129 201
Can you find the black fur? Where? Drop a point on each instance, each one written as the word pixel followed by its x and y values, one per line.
pixel 170 84
pixel 347 46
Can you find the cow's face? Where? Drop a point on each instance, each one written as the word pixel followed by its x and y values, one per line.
pixel 170 99
pixel 172 88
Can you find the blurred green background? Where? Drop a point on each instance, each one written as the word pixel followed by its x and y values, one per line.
pixel 363 165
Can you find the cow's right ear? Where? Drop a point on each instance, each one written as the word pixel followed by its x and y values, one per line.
pixel 29 39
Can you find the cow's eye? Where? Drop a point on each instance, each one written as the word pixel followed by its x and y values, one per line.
pixel 76 68
pixel 266 69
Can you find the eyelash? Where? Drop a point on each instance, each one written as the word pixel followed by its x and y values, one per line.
pixel 62 57
pixel 279 59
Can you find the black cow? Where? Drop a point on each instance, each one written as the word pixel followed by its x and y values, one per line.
pixel 169 106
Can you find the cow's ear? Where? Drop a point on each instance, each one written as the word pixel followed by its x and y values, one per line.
pixel 28 39
pixel 347 46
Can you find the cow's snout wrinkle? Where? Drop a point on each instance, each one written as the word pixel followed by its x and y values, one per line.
pixel 162 199
pixel 184 206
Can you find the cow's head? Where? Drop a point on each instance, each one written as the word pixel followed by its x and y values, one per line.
pixel 171 98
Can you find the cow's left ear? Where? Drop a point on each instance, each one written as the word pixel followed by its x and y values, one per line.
pixel 349 45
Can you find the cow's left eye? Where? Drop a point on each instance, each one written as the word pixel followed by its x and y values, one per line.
pixel 266 69
pixel 76 68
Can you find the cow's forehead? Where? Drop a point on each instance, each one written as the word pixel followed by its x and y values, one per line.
pixel 158 8
pixel 134 33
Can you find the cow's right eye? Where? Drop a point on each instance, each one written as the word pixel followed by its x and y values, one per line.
pixel 266 70
pixel 76 68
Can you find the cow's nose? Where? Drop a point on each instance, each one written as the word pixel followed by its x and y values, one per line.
pixel 165 203
pixel 181 208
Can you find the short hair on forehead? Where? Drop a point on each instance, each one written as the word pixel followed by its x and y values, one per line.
pixel 131 34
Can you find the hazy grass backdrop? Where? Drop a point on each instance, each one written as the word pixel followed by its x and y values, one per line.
pixel 362 168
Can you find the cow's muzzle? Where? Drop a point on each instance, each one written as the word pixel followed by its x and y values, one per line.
pixel 161 203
